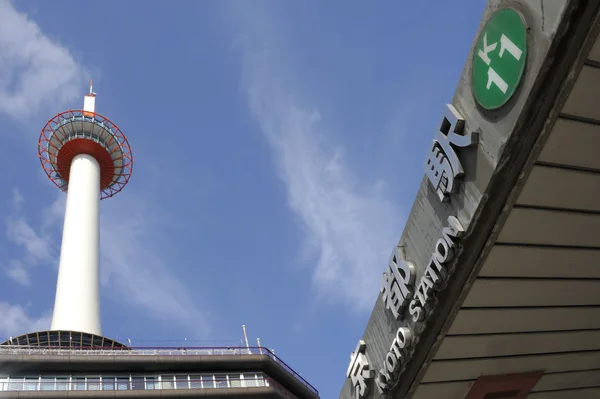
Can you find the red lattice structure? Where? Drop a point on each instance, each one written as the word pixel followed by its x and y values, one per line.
pixel 72 133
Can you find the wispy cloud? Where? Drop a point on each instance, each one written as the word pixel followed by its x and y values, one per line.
pixel 349 224
pixel 134 267
pixel 36 70
pixel 15 320
pixel 35 244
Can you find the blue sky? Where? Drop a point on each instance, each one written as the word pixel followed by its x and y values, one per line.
pixel 278 149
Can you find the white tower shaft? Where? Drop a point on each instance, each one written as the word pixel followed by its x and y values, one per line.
pixel 77 304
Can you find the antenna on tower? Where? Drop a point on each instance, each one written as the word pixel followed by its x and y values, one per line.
pixel 91 92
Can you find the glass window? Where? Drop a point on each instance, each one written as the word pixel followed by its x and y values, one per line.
pixel 31 383
pixel 93 383
pixel 3 383
pixel 221 380
pixel 167 381
pixel 15 384
pixel 260 380
pixel 250 380
pixel 78 384
pixel 122 383
pixel 208 381
pixel 195 381
pixel 152 383
pixel 62 383
pixel 181 382
pixel 47 384
pixel 86 341
pixel 235 381
pixel 108 383
pixel 137 383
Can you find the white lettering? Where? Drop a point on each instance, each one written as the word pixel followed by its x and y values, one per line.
pixel 404 338
pixel 391 362
pixel 415 311
pixel 382 380
pixel 433 275
pixel 483 54
pixel 508 45
pixel 496 79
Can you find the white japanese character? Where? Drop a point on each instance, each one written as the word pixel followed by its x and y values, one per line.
pixel 442 166
pixel 358 370
pixel 396 279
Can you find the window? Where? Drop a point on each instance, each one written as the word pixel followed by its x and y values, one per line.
pixel 195 381
pixel 137 383
pixel 47 384
pixel 3 383
pixel 235 381
pixel 31 383
pixel 62 383
pixel 122 383
pixel 152 383
pixel 167 381
pixel 78 384
pixel 221 380
pixel 208 381
pixel 108 383
pixel 15 384
pixel 181 382
pixel 93 383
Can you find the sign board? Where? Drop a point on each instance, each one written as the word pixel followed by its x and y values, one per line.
pixel 499 59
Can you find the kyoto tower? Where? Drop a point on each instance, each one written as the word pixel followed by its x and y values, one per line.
pixel 86 155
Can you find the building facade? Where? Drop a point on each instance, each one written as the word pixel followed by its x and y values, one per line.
pixel 58 364
pixel 493 290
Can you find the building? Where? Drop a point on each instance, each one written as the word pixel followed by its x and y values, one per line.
pixel 493 290
pixel 87 155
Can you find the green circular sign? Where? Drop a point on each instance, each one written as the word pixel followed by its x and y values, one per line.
pixel 499 59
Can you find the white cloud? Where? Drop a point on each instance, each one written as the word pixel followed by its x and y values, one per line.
pixel 36 71
pixel 349 224
pixel 18 272
pixel 36 245
pixel 133 266
pixel 16 321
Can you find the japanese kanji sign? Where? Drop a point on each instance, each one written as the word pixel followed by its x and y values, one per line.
pixel 359 371
pixel 397 281
pixel 499 59
pixel 442 165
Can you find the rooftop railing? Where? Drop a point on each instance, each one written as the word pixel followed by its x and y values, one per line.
pixel 154 351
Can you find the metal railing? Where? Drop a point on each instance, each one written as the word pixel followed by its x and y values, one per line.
pixel 154 351
pixel 139 383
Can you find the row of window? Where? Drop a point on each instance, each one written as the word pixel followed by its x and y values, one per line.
pixel 131 382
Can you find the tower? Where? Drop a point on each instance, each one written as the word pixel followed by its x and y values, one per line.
pixel 87 156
